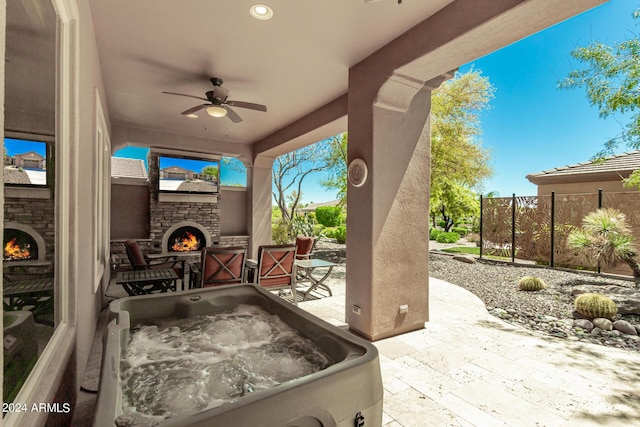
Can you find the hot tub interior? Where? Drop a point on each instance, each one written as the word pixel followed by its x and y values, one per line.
pixel 233 354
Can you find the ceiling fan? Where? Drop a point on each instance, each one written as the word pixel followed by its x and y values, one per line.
pixel 218 104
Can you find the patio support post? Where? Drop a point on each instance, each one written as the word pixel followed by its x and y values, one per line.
pixel 388 221
pixel 259 197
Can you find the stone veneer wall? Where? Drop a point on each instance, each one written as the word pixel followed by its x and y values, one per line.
pixel 38 214
pixel 163 215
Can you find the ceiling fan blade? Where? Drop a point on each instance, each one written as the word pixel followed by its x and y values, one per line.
pixel 194 109
pixel 235 118
pixel 184 94
pixel 249 105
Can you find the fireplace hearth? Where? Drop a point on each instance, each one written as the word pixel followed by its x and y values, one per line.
pixel 186 239
pixel 19 245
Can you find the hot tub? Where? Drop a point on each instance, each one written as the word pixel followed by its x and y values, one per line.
pixel 20 350
pixel 346 393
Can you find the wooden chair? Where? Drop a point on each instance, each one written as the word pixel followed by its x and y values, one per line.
pixel 221 266
pixel 140 262
pixel 305 246
pixel 276 269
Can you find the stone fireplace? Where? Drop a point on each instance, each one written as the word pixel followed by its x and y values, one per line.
pixel 22 243
pixel 185 236
pixel 29 234
pixel 196 214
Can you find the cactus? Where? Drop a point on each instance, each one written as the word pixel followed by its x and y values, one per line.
pixel 530 283
pixel 595 305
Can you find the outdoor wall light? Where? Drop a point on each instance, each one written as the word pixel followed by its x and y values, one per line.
pixel 215 111
pixel 357 173
pixel 261 11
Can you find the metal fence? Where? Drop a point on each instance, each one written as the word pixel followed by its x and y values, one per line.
pixel 535 228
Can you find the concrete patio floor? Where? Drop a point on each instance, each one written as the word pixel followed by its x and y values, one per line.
pixel 468 368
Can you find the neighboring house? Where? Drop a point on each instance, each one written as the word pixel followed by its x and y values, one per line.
pixel 311 207
pixel 588 177
pixel 176 172
pixel 30 160
pixel 123 170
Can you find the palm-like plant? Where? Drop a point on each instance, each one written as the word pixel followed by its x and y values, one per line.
pixel 607 240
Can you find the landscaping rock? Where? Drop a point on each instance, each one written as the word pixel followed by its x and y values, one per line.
pixel 583 324
pixel 625 327
pixel 602 323
pixel 465 258
pixel 627 299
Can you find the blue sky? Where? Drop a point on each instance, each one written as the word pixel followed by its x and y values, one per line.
pixel 532 125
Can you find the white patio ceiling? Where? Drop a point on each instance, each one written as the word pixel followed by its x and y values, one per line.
pixel 293 63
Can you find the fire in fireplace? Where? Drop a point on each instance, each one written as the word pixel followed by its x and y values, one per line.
pixel 19 245
pixel 186 239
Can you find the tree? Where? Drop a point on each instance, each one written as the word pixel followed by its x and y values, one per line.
pixel 607 240
pixel 336 159
pixel 611 78
pixel 289 172
pixel 211 171
pixel 458 162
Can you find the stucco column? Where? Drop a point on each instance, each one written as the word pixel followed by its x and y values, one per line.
pixel 259 203
pixel 388 229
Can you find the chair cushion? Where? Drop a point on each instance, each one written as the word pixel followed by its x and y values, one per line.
pixel 304 244
pixel 213 268
pixel 136 257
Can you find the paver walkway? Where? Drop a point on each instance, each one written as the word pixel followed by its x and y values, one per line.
pixel 468 368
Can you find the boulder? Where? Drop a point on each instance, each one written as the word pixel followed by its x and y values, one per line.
pixel 627 299
pixel 583 324
pixel 625 327
pixel 602 323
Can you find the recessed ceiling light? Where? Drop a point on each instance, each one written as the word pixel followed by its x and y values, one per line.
pixel 192 116
pixel 261 11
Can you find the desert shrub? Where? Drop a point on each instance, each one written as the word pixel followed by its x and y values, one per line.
pixel 282 232
pixel 329 232
pixel 434 233
pixel 317 229
pixel 530 283
pixel 447 237
pixel 329 216
pixel 341 234
pixel 303 224
pixel 460 230
pixel 595 305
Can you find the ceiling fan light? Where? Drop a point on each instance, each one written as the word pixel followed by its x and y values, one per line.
pixel 261 11
pixel 216 111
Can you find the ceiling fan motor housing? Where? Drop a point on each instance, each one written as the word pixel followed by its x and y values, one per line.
pixel 216 81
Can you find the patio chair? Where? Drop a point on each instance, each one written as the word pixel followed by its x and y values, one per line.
pixel 221 266
pixel 305 246
pixel 276 269
pixel 140 262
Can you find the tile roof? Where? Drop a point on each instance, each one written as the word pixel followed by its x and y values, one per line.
pixel 128 168
pixel 312 206
pixel 621 164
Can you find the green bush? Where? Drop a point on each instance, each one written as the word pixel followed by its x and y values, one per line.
pixel 341 234
pixel 317 229
pixel 463 231
pixel 595 305
pixel 329 232
pixel 281 232
pixel 530 283
pixel 447 237
pixel 434 233
pixel 329 216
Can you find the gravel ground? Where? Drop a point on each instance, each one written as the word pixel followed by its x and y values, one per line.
pixel 549 310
